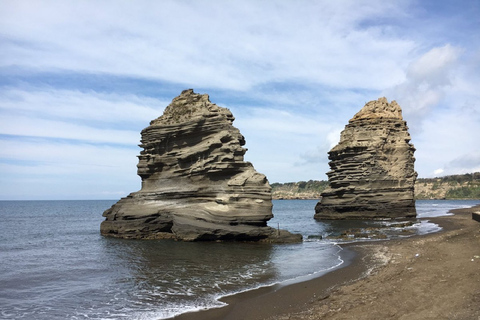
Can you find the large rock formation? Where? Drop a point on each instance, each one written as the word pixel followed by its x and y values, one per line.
pixel 372 168
pixel 195 184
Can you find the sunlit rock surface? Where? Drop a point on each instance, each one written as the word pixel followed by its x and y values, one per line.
pixel 372 168
pixel 195 183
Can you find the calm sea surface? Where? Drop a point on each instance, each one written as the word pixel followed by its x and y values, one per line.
pixel 55 265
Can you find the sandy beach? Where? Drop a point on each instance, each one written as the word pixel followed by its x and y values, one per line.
pixel 435 276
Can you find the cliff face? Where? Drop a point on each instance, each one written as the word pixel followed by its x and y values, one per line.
pixel 298 190
pixel 462 186
pixel 372 168
pixel 195 184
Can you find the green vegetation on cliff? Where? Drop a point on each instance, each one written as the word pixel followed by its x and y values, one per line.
pixel 462 186
pixel 299 190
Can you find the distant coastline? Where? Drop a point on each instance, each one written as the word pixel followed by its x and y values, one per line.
pixel 462 186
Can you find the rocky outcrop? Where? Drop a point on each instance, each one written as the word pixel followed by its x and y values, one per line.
pixel 372 168
pixel 195 183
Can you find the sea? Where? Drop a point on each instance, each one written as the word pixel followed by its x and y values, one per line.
pixel 54 264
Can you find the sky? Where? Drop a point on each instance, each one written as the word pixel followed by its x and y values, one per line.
pixel 79 80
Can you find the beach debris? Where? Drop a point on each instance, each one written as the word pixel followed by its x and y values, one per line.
pixel 476 216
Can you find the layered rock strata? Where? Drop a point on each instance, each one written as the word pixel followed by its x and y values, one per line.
pixel 195 183
pixel 372 168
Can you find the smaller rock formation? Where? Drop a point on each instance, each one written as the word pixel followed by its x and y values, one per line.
pixel 372 168
pixel 195 184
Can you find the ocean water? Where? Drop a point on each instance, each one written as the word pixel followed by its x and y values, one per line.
pixel 54 264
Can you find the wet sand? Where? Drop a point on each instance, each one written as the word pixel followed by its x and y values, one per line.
pixel 435 276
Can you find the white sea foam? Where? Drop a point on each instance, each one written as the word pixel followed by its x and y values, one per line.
pixel 216 301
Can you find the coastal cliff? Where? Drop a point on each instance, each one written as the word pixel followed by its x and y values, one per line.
pixel 195 183
pixel 458 186
pixel 298 190
pixel 372 168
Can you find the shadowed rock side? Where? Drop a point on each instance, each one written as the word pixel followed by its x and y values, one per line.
pixel 195 184
pixel 372 168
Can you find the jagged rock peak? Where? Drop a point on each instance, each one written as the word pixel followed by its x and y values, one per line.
pixel 379 109
pixel 189 105
pixel 372 167
pixel 195 182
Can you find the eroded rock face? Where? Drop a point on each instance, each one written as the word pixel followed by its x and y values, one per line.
pixel 372 168
pixel 195 184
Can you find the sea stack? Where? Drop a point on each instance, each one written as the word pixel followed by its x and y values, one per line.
pixel 195 184
pixel 372 172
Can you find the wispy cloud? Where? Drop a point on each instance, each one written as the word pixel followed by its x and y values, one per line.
pixel 441 109
pixel 83 116
pixel 231 45
pixel 427 81
pixel 39 168
pixel 449 135
pixel 48 102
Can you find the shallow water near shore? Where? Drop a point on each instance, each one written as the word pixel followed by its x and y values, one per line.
pixel 55 264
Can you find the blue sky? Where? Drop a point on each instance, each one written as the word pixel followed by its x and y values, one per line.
pixel 79 80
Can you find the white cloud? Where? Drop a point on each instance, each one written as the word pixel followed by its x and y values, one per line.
pixel 286 146
pixel 37 169
pixel 448 137
pixel 441 109
pixel 333 137
pixel 70 114
pixel 465 163
pixel 26 126
pixel 36 152
pixel 434 67
pixel 234 45
pixel 76 105
pixel 428 78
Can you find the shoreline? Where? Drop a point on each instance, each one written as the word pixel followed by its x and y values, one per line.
pixel 277 298
pixel 368 266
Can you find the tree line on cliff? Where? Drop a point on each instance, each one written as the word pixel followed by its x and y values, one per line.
pixel 461 186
